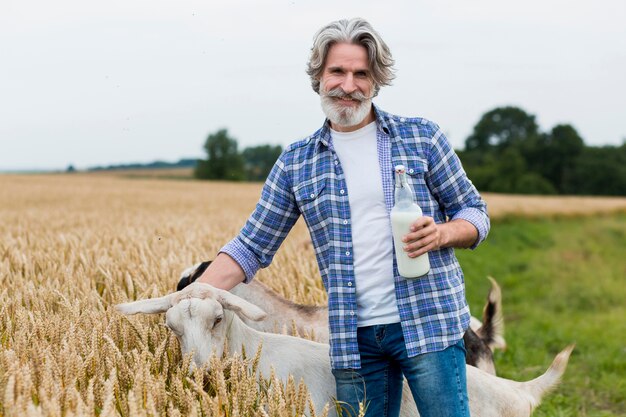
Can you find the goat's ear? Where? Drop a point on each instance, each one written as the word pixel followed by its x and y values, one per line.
pixel 240 306
pixel 149 306
pixel 191 274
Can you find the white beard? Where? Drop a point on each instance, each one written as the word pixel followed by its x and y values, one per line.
pixel 344 116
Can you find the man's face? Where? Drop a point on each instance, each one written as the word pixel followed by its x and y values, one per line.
pixel 346 87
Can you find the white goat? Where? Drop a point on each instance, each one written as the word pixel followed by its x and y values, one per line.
pixel 203 318
pixel 283 314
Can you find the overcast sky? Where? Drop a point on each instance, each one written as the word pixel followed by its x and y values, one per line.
pixel 89 82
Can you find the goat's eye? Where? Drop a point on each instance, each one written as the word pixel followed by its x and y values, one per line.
pixel 217 321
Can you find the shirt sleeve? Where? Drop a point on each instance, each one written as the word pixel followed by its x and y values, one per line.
pixel 456 194
pixel 268 225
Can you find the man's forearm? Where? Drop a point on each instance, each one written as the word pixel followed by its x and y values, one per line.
pixel 223 273
pixel 458 233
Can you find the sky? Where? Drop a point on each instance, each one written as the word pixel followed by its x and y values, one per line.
pixel 89 83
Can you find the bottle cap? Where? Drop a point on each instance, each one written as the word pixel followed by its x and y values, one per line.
pixel 400 169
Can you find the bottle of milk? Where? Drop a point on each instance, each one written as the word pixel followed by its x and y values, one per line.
pixel 403 214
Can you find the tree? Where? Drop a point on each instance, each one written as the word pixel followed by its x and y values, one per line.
pixel 505 151
pixel 562 148
pixel 600 171
pixel 223 160
pixel 509 174
pixel 259 160
pixel 502 127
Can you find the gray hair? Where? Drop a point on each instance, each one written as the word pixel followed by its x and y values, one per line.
pixel 355 31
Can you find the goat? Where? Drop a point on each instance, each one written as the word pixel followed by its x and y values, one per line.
pixel 203 318
pixel 480 339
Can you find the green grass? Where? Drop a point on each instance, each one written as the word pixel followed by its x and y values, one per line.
pixel 563 281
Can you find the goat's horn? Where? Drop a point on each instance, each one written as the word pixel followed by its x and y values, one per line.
pixel 148 306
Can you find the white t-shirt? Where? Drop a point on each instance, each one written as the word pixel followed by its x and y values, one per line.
pixel 371 227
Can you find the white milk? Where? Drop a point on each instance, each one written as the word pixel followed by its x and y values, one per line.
pixel 400 225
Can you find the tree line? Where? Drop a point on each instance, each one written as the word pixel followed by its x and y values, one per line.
pixel 225 162
pixel 506 153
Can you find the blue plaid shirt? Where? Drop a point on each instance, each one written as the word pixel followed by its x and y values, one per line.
pixel 308 180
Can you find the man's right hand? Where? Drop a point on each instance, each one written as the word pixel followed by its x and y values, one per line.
pixel 223 273
pixel 191 274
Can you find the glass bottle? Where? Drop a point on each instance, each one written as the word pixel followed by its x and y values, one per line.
pixel 404 212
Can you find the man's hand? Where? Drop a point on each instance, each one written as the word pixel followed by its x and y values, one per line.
pixel 191 274
pixel 222 273
pixel 426 235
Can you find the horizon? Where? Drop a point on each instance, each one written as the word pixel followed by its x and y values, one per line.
pixel 101 84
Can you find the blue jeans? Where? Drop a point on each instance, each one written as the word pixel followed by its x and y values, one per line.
pixel 437 380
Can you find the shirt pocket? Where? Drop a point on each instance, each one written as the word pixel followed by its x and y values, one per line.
pixel 416 167
pixel 416 170
pixel 313 200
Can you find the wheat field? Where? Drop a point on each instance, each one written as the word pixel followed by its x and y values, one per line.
pixel 72 246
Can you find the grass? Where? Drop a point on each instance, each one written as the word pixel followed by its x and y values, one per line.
pixel 563 281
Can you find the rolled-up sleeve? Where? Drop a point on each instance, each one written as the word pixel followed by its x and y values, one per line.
pixel 268 225
pixel 456 194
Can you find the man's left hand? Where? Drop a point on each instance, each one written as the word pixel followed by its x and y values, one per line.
pixel 425 236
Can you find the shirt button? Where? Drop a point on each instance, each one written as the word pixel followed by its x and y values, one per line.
pixel 402 119
pixel 411 171
pixel 352 313
pixel 336 162
pixel 345 222
pixel 349 284
pixel 312 195
pixel 342 191
pixel 347 253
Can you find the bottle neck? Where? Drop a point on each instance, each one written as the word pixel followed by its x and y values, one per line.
pixel 401 181
pixel 403 193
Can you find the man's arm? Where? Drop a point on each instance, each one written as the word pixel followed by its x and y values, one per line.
pixel 266 228
pixel 223 273
pixel 468 223
pixel 426 236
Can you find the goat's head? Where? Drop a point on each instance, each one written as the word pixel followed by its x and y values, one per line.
pixel 196 315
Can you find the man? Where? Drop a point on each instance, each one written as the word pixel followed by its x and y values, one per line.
pixel 382 326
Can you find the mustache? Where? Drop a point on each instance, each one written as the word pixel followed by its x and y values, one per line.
pixel 339 93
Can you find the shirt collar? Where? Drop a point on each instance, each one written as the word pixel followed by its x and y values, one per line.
pixel 383 122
